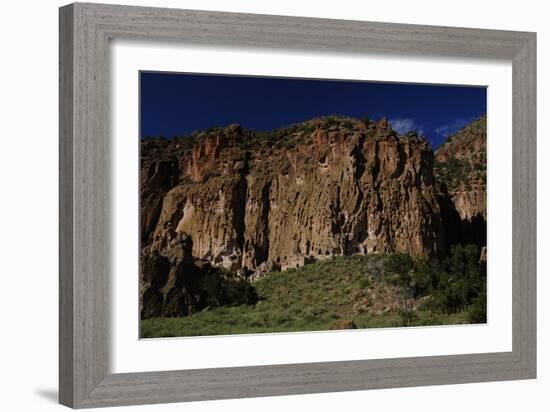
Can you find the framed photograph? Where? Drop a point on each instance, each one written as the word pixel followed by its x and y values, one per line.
pixel 257 205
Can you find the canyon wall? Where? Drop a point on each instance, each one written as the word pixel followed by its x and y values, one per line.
pixel 323 188
pixel 461 175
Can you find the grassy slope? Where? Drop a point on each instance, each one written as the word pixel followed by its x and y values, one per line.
pixel 309 298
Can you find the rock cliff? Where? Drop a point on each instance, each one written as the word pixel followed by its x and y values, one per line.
pixel 257 201
pixel 461 173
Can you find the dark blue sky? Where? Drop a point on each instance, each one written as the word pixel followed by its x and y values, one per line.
pixel 177 104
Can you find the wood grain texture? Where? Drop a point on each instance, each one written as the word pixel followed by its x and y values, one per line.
pixel 85 31
pixel 66 183
pixel 524 225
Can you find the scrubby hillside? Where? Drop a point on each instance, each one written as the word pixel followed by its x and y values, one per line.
pixel 367 291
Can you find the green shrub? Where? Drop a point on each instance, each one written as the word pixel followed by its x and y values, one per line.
pixel 407 314
pixel 330 121
pixel 287 144
pixel 220 288
pixel 461 284
pixel 454 170
pixel 308 129
pixel 425 277
pixel 364 283
pixel 401 265
pixel 398 263
pixel 448 298
pixel 347 124
pixel 477 312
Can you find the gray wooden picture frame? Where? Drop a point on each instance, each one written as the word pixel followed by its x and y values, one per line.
pixel 85 31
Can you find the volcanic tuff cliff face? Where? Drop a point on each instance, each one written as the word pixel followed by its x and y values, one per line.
pixel 461 173
pixel 325 187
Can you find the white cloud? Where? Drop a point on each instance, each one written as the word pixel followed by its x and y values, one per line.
pixel 449 129
pixel 405 125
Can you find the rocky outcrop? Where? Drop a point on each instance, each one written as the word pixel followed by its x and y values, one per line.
pixel 174 283
pixel 343 324
pixel 157 176
pixel 169 280
pixel 461 172
pixel 262 201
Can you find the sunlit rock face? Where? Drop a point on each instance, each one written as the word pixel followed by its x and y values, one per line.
pixel 262 201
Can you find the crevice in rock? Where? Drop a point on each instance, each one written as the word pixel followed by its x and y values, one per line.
pixel 240 199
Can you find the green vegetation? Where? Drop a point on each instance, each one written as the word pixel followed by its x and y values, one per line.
pixel 476 127
pixel 347 125
pixel 371 291
pixel 221 288
pixel 465 161
pixel 461 283
pixel 453 170
pixel 345 122
pixel 455 285
pixel 287 137
pixel 330 121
